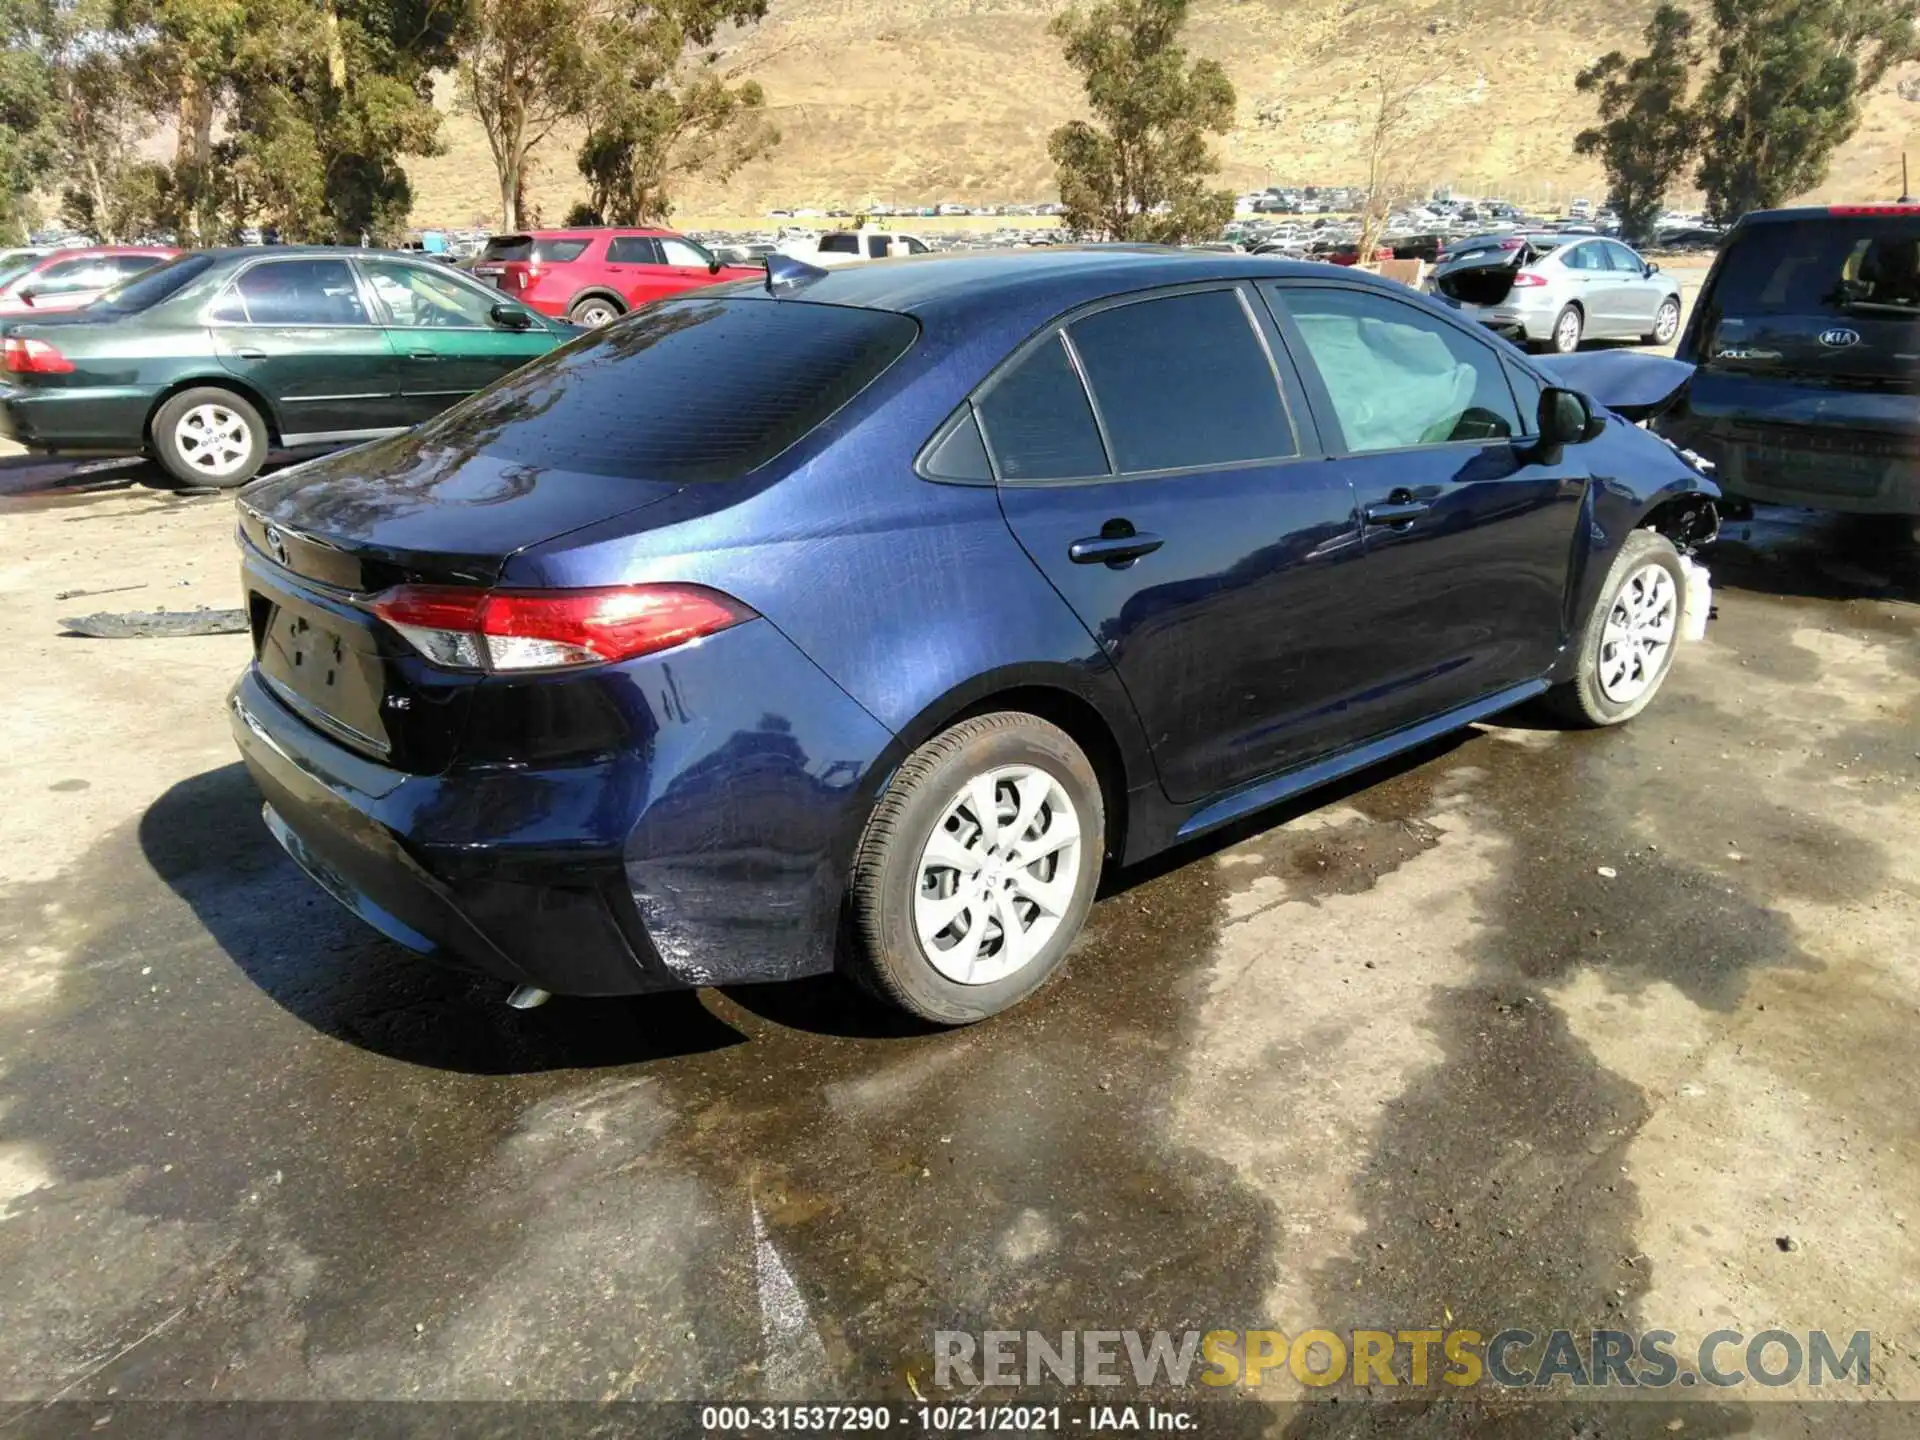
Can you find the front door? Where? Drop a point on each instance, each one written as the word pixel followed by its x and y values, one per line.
pixel 1186 516
pixel 442 335
pixel 1637 294
pixel 1468 535
pixel 298 331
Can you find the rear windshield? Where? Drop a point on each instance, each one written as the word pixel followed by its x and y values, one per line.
pixel 150 287
pixel 1837 264
pixel 548 251
pixel 683 391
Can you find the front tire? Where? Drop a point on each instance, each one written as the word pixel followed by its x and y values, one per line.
pixel 209 436
pixel 1626 650
pixel 977 869
pixel 1666 323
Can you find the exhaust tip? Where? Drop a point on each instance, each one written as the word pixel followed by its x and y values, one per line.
pixel 528 997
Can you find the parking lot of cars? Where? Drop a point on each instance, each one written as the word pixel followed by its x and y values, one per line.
pixel 1520 1024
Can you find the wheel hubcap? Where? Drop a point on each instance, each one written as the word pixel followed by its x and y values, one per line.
pixel 212 440
pixel 1638 634
pixel 997 875
pixel 1668 322
pixel 596 315
pixel 1569 331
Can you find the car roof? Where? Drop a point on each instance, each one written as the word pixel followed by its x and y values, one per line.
pixel 1058 276
pixel 587 232
pixel 104 252
pixel 1864 209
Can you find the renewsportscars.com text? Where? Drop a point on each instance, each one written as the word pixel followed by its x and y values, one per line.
pixel 1515 1358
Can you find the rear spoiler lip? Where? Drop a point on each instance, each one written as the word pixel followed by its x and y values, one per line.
pixel 1635 386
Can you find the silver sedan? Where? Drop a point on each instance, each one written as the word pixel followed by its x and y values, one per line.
pixel 1555 293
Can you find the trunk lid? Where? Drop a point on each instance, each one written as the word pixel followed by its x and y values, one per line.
pixel 1482 278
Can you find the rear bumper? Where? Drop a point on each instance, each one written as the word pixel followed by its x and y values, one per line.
pixel 713 851
pixel 1525 319
pixel 97 419
pixel 1787 446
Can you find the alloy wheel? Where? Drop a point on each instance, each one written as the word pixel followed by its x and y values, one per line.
pixel 594 315
pixel 1638 634
pixel 1667 323
pixel 213 440
pixel 997 874
pixel 1566 332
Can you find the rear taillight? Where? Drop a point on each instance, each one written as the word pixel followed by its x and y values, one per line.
pixel 1527 280
pixel 24 356
pixel 552 629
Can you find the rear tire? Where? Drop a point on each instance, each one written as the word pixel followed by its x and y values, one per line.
pixel 593 312
pixel 1626 649
pixel 1568 326
pixel 947 921
pixel 209 436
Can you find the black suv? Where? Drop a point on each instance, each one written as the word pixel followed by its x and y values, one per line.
pixel 1807 339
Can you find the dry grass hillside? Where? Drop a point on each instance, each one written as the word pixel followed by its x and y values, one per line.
pixel 923 100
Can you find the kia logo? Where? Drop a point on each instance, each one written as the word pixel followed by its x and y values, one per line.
pixel 1839 339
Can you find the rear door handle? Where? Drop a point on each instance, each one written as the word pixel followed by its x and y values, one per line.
pixel 1113 549
pixel 1396 512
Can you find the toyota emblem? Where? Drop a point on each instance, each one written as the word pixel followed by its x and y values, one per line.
pixel 276 545
pixel 1839 338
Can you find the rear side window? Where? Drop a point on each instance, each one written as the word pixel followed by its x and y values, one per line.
pixel 1039 423
pixel 1183 382
pixel 684 391
pixel 839 244
pixel 632 250
pixel 1526 394
pixel 1836 265
pixel 1398 377
pixel 302 292
pixel 548 250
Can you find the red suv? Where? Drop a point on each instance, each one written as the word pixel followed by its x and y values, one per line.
pixel 590 276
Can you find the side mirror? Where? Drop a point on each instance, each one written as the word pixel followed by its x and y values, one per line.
pixel 713 265
pixel 28 295
pixel 510 317
pixel 1653 267
pixel 1566 418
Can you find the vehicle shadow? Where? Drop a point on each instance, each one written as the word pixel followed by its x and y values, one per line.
pixel 1816 555
pixel 205 840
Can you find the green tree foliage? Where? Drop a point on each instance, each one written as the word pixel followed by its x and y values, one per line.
pixel 661 105
pixel 1140 171
pixel 1647 132
pixel 27 115
pixel 1785 92
pixel 524 68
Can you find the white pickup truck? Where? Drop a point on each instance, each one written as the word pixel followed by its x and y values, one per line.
pixel 853 247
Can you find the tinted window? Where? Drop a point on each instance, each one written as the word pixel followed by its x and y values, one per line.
pixel 1526 394
pixel 508 247
pixel 1397 376
pixel 422 299
pixel 1585 258
pixel 961 454
pixel 631 250
pixel 302 292
pixel 682 252
pixel 914 247
pixel 877 247
pixel 1841 264
pixel 70 276
pixel 839 245
pixel 1038 421
pixel 160 283
pixel 685 390
pixel 1183 381
pixel 229 308
pixel 559 252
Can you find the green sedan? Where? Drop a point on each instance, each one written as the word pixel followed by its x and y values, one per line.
pixel 208 363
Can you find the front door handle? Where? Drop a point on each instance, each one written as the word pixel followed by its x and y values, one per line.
pixel 1114 550
pixel 250 354
pixel 422 355
pixel 1396 512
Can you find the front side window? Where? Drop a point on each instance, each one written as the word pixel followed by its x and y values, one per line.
pixel 682 252
pixel 1039 423
pixel 1397 377
pixel 1183 382
pixel 421 299
pixel 1624 259
pixel 302 292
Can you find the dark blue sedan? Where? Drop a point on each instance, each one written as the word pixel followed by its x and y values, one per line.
pixel 857 620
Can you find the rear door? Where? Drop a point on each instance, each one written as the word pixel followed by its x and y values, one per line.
pixel 300 332
pixel 1184 513
pixel 634 268
pixel 1589 282
pixel 1468 537
pixel 442 335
